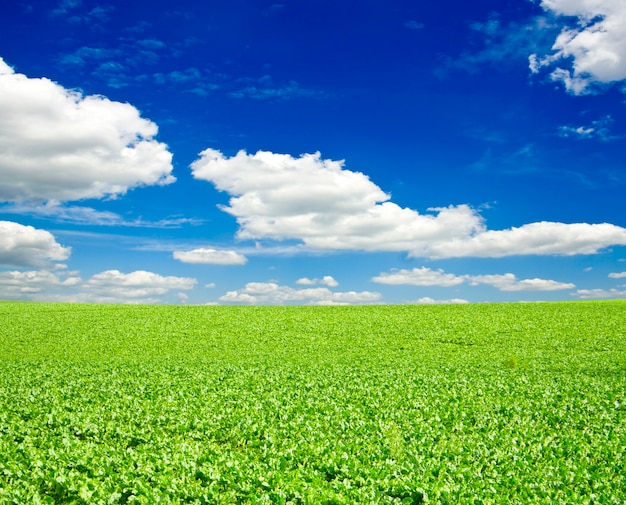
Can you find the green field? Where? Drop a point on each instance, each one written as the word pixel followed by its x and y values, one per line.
pixel 488 403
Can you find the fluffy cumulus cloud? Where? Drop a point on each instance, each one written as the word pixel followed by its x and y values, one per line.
pixel 277 196
pixel 210 256
pixel 58 145
pixel 271 293
pixel 591 49
pixel 325 206
pixel 617 275
pixel 27 246
pixel 504 282
pixel 113 286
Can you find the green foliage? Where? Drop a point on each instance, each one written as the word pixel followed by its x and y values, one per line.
pixel 503 403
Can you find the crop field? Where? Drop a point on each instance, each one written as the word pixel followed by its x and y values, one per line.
pixel 478 404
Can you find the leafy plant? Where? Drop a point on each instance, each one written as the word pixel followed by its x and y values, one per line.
pixel 307 405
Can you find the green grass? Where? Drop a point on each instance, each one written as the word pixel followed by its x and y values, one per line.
pixel 494 403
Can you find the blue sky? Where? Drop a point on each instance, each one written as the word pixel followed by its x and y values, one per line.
pixel 298 152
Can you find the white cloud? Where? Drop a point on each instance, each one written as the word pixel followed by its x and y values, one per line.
pixel 327 280
pixel 35 284
pixel 265 89
pixel 595 44
pixel 271 293
pixel 89 216
pixel 419 277
pixel 596 294
pixel 113 286
pixel 535 238
pixel 427 300
pixel 279 197
pixel 617 275
pixel 506 282
pixel 509 282
pixel 579 132
pixel 59 145
pixel 210 257
pixel 498 43
pixel 27 246
pixel 599 129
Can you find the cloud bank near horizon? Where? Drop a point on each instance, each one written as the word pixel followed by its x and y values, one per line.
pixel 425 276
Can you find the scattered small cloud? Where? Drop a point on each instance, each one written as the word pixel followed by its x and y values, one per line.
pixel 617 275
pixel 86 54
pixel 264 88
pixel 600 129
pixel 32 285
pixel 506 282
pixel 74 12
pixel 509 282
pixel 427 300
pixel 207 256
pixel 419 277
pixel 598 294
pixel 113 286
pixel 272 293
pixel 327 280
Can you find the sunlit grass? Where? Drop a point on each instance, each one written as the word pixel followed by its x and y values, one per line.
pixel 500 403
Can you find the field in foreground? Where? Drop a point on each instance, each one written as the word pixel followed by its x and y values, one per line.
pixel 502 403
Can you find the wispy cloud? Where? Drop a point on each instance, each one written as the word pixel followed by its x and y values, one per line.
pixel 599 129
pixel 89 216
pixel 598 294
pixel 265 88
pixel 497 44
pixel 75 12
pixel 413 25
